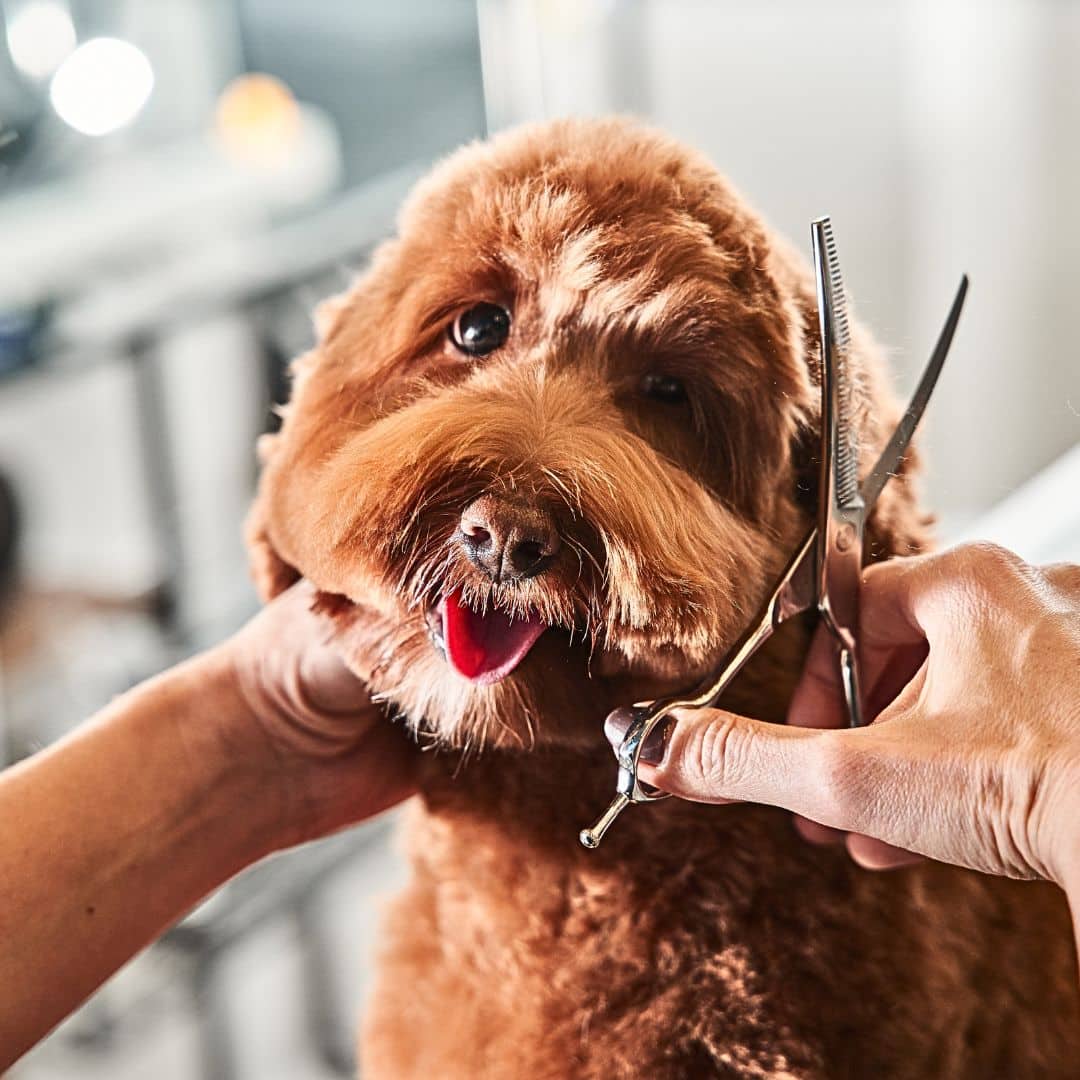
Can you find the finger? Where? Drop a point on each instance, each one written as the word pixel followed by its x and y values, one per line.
pixel 910 608
pixel 892 647
pixel 1063 576
pixel 347 789
pixel 875 854
pixel 897 678
pixel 328 683
pixel 869 853
pixel 927 595
pixel 815 833
pixel 892 641
pixel 818 700
pixel 653 749
pixel 711 755
pixel 868 780
pixel 325 681
pixel 894 599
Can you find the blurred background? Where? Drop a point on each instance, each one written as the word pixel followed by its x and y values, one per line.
pixel 180 182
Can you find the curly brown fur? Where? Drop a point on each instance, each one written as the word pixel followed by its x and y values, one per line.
pixel 698 941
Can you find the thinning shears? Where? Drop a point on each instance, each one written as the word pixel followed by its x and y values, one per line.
pixel 825 571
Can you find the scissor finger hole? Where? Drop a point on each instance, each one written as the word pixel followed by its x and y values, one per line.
pixel 650 791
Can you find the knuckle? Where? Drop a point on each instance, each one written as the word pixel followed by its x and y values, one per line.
pixel 712 748
pixel 717 752
pixel 984 559
pixel 976 576
pixel 1064 577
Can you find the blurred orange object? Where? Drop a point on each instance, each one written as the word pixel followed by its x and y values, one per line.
pixel 257 117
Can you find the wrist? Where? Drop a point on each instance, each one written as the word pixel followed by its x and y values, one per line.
pixel 273 737
pixel 224 760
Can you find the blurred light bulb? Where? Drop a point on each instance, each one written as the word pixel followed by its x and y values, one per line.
pixel 101 86
pixel 39 36
pixel 258 118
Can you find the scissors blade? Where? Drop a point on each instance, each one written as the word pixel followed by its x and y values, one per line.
pixel 894 450
pixel 840 449
pixel 841 512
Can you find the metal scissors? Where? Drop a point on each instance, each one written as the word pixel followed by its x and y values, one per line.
pixel 825 571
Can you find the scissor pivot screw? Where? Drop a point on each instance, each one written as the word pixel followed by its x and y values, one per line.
pixel 844 538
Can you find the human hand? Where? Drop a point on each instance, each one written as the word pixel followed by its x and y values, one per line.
pixel 971 660
pixel 330 756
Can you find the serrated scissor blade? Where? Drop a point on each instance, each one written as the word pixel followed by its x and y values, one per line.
pixel 897 446
pixel 841 515
pixel 835 348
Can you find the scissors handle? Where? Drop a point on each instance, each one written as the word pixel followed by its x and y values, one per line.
pixel 591 838
pixel 849 676
pixel 792 595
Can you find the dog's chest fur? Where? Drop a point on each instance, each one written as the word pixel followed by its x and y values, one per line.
pixel 701 942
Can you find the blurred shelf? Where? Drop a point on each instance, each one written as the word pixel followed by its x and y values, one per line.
pixel 127 313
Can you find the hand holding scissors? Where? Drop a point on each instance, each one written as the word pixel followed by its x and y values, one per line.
pixel 825 570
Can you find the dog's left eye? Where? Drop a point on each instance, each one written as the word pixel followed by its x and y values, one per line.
pixel 481 329
pixel 665 388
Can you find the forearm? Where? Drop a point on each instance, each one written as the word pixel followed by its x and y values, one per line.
pixel 110 836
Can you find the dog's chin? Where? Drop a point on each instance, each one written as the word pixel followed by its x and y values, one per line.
pixel 487 645
pixel 474 675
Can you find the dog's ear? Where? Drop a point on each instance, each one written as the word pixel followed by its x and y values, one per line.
pixel 272 574
pixel 898 524
pixel 340 325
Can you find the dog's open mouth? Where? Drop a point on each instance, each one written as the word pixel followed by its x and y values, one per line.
pixel 485 646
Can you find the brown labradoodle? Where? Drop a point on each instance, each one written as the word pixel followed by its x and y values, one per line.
pixel 545 460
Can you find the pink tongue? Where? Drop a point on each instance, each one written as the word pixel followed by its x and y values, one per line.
pixel 485 648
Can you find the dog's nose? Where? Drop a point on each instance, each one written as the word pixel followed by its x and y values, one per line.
pixel 509 541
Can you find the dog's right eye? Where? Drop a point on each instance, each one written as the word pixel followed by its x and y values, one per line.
pixel 665 388
pixel 481 329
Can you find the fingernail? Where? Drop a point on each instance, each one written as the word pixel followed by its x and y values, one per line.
pixel 656 742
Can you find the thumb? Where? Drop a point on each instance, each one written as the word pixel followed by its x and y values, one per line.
pixel 709 755
pixel 329 684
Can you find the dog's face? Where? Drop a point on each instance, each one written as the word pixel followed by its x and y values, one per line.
pixel 552 438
